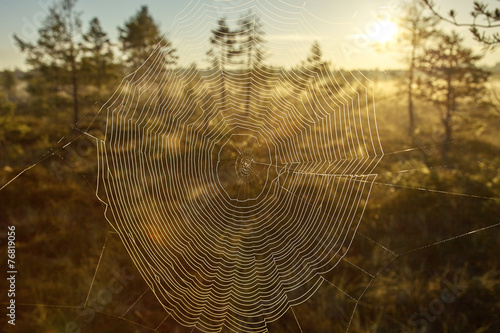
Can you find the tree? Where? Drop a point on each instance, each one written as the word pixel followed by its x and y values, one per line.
pixel 451 78
pixel 223 41
pixel 222 52
pixel 311 67
pixel 6 113
pixel 314 61
pixel 56 54
pixel 8 82
pixel 490 18
pixel 416 30
pixel 99 56
pixel 252 40
pixel 141 37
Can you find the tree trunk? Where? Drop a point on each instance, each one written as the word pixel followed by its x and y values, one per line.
pixel 74 81
pixel 223 72
pixel 446 141
pixel 447 122
pixel 249 83
pixel 101 71
pixel 411 127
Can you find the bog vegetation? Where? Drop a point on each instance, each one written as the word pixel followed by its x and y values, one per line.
pixel 441 115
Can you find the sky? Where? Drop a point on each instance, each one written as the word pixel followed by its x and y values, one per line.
pixel 347 31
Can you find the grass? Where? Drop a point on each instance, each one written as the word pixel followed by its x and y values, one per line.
pixel 411 239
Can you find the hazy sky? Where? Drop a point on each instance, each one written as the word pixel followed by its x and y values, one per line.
pixel 346 30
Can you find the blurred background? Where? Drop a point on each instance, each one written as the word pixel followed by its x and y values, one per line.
pixel 425 255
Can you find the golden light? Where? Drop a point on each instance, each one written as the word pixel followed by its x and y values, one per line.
pixel 386 32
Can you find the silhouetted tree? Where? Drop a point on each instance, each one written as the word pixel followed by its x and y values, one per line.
pixel 251 48
pixel 8 81
pixel 141 37
pixel 223 41
pixel 315 62
pixel 99 55
pixel 309 69
pixel 451 77
pixel 490 19
pixel 56 53
pixel 223 50
pixel 416 28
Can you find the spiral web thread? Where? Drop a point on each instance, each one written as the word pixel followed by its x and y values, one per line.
pixel 235 189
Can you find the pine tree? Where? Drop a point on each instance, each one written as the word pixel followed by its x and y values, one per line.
pixel 315 61
pixel 252 40
pixel 223 41
pixel 8 82
pixel 309 69
pixel 483 19
pixel 99 56
pixel 416 29
pixel 222 52
pixel 141 38
pixel 451 77
pixel 56 54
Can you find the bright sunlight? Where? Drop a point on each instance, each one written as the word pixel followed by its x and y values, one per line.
pixel 387 32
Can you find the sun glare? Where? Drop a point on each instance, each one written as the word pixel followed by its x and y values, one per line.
pixel 387 32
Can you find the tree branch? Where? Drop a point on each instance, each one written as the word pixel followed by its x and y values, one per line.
pixel 480 10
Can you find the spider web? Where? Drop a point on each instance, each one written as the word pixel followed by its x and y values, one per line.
pixel 234 216
pixel 233 213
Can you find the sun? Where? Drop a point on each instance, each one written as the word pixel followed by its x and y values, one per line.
pixel 385 32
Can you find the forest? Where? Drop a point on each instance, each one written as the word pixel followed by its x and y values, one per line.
pixel 359 200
